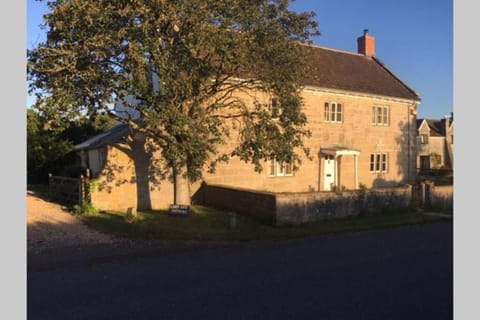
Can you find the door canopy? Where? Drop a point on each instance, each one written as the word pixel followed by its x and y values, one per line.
pixel 338 150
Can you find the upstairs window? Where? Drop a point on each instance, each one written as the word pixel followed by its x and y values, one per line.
pixel 280 169
pixel 333 112
pixel 381 116
pixel 424 138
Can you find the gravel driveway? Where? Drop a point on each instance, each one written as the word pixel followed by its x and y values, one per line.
pixel 55 236
pixel 50 225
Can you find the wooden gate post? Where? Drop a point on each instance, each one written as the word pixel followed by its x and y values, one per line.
pixel 428 194
pixel 81 191
pixel 49 186
pixel 422 188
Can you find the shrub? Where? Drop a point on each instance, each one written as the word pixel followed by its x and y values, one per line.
pixel 86 208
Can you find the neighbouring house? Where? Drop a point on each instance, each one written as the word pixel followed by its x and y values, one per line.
pixel 363 123
pixel 435 143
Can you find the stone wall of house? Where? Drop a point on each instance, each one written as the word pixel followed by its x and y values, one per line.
pixel 356 131
pixel 434 147
pixel 294 208
pixel 125 183
pixel 137 184
pixel 113 188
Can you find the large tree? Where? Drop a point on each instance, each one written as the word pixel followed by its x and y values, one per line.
pixel 188 68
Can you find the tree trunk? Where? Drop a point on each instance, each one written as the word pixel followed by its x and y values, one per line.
pixel 141 160
pixel 182 187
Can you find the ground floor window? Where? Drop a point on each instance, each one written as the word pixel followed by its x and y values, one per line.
pixel 378 162
pixel 280 169
pixel 424 162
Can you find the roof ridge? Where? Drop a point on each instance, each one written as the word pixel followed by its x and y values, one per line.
pixel 333 49
pixel 96 140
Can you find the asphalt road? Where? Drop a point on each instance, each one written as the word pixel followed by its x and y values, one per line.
pixel 402 273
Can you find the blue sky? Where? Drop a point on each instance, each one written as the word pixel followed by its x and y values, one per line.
pixel 413 38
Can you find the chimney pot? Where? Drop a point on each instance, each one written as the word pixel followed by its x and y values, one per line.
pixel 366 44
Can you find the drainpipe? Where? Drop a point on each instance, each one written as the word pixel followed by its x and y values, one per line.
pixel 408 146
pixel 355 158
pixel 320 159
pixel 335 170
pixel 411 112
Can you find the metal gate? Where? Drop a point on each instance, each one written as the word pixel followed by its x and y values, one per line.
pixel 67 191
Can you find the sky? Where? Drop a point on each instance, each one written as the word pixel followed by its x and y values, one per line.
pixel 413 38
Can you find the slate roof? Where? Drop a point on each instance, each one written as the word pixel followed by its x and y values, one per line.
pixel 350 71
pixel 437 127
pixel 109 137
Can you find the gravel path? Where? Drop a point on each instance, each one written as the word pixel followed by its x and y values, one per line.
pixel 56 237
pixel 50 225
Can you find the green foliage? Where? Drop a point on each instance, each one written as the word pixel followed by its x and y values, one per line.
pixel 85 208
pixel 45 148
pixel 50 149
pixel 184 62
pixel 93 185
pixel 79 130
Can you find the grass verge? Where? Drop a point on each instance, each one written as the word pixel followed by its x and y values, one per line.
pixel 205 223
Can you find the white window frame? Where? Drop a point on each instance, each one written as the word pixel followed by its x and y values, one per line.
pixel 333 112
pixel 381 115
pixel 275 108
pixel 379 162
pixel 424 138
pixel 280 169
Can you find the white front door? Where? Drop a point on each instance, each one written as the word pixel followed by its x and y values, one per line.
pixel 329 173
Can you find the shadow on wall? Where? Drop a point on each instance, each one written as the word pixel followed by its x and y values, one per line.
pixel 406 156
pixel 147 175
pixel 381 182
pixel 198 196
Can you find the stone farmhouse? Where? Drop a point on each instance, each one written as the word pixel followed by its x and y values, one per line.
pixel 435 143
pixel 364 131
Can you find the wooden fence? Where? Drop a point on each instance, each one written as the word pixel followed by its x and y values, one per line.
pixel 67 191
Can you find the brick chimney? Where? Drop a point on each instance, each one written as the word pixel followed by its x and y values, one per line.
pixel 366 44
